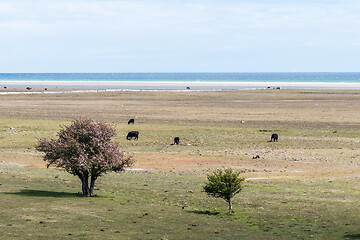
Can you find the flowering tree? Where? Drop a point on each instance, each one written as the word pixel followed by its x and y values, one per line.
pixel 224 184
pixel 85 149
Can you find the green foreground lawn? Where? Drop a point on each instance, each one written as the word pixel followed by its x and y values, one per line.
pixel 40 203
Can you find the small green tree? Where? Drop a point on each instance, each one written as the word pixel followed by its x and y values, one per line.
pixel 85 149
pixel 224 184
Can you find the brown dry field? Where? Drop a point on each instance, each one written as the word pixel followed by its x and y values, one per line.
pixel 318 130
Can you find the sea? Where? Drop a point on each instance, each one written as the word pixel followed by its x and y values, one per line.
pixel 327 77
pixel 169 80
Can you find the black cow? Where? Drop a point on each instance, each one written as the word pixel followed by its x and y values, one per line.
pixel 28 88
pixel 176 140
pixel 132 134
pixel 131 121
pixel 274 137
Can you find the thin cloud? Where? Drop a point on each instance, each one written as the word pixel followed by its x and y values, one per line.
pixel 228 31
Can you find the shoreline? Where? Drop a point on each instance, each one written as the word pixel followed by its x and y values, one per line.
pixel 175 85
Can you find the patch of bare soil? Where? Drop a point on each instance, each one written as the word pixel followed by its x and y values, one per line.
pixel 255 169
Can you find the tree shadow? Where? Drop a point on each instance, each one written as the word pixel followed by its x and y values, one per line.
pixel 352 236
pixel 41 193
pixel 209 213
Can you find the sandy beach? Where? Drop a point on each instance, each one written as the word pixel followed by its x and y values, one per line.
pixel 174 85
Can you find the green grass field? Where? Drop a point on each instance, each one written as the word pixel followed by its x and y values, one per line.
pixel 306 186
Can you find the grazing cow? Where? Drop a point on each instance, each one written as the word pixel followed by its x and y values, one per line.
pixel 131 121
pixel 132 134
pixel 28 88
pixel 255 157
pixel 274 137
pixel 5 87
pixel 176 140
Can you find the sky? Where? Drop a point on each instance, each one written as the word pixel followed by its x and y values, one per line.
pixel 179 36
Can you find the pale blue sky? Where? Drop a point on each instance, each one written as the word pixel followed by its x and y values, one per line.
pixel 179 36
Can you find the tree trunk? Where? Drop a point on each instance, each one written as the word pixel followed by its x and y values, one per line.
pixel 92 185
pixel 85 185
pixel 230 206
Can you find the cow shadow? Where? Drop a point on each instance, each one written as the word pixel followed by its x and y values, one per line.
pixel 42 193
pixel 352 236
pixel 209 213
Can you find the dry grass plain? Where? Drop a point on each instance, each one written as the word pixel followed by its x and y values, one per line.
pixel 304 186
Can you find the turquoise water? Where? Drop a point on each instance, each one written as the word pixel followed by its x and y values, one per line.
pixel 327 77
